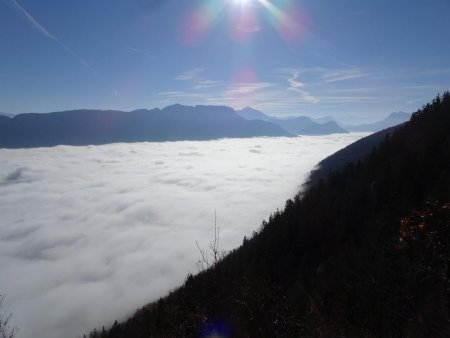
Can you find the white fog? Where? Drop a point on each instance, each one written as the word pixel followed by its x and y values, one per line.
pixel 89 234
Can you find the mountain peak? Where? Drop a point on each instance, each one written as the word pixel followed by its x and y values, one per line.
pixel 250 113
pixel 175 106
pixel 297 125
pixel 248 108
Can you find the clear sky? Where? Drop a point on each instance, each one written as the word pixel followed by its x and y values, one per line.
pixel 357 60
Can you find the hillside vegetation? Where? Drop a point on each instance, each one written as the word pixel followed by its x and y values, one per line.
pixel 363 252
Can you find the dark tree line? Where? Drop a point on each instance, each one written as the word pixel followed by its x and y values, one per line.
pixel 363 252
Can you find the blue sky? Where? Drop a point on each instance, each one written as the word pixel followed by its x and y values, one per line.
pixel 357 60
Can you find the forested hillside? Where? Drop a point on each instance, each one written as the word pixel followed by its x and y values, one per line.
pixel 363 252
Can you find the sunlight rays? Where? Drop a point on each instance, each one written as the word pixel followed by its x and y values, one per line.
pixel 245 17
pixel 289 23
pixel 241 2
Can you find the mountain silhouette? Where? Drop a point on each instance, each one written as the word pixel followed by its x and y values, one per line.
pixel 303 125
pixel 173 123
pixel 324 119
pixel 249 113
pixel 392 120
pixel 300 125
pixel 6 115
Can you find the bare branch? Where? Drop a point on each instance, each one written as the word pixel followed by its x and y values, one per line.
pixel 214 255
pixel 6 331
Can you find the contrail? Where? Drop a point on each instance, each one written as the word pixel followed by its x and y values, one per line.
pixel 44 31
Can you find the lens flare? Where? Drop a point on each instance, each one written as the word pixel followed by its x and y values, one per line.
pixel 245 87
pixel 244 76
pixel 193 28
pixel 245 19
pixel 241 2
pixel 215 329
pixel 289 22
pixel 195 25
pixel 245 25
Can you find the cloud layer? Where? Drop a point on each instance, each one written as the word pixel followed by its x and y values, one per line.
pixel 88 234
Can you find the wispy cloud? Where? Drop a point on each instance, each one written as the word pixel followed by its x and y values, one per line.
pixel 299 87
pixel 204 84
pixel 342 75
pixel 258 94
pixel 178 94
pixel 349 99
pixel 140 51
pixel 38 26
pixel 241 89
pixel 190 75
pixel 285 91
pixel 294 83
pixel 196 79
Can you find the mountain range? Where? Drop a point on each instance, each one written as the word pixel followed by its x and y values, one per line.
pixel 172 123
pixel 303 125
pixel 392 120
pixel 362 251
pixel 6 115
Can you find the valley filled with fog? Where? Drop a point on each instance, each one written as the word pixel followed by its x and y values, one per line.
pixel 88 234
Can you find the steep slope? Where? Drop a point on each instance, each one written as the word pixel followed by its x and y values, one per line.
pixel 84 127
pixel 351 153
pixel 364 252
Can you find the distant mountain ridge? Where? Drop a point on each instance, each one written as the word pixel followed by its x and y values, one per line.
pixel 173 123
pixel 303 125
pixel 392 120
pixel 6 115
pixel 300 125
pixel 324 119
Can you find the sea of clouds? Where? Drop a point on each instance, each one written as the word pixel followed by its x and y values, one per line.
pixel 89 234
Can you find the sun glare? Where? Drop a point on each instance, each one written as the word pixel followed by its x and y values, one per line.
pixel 246 21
